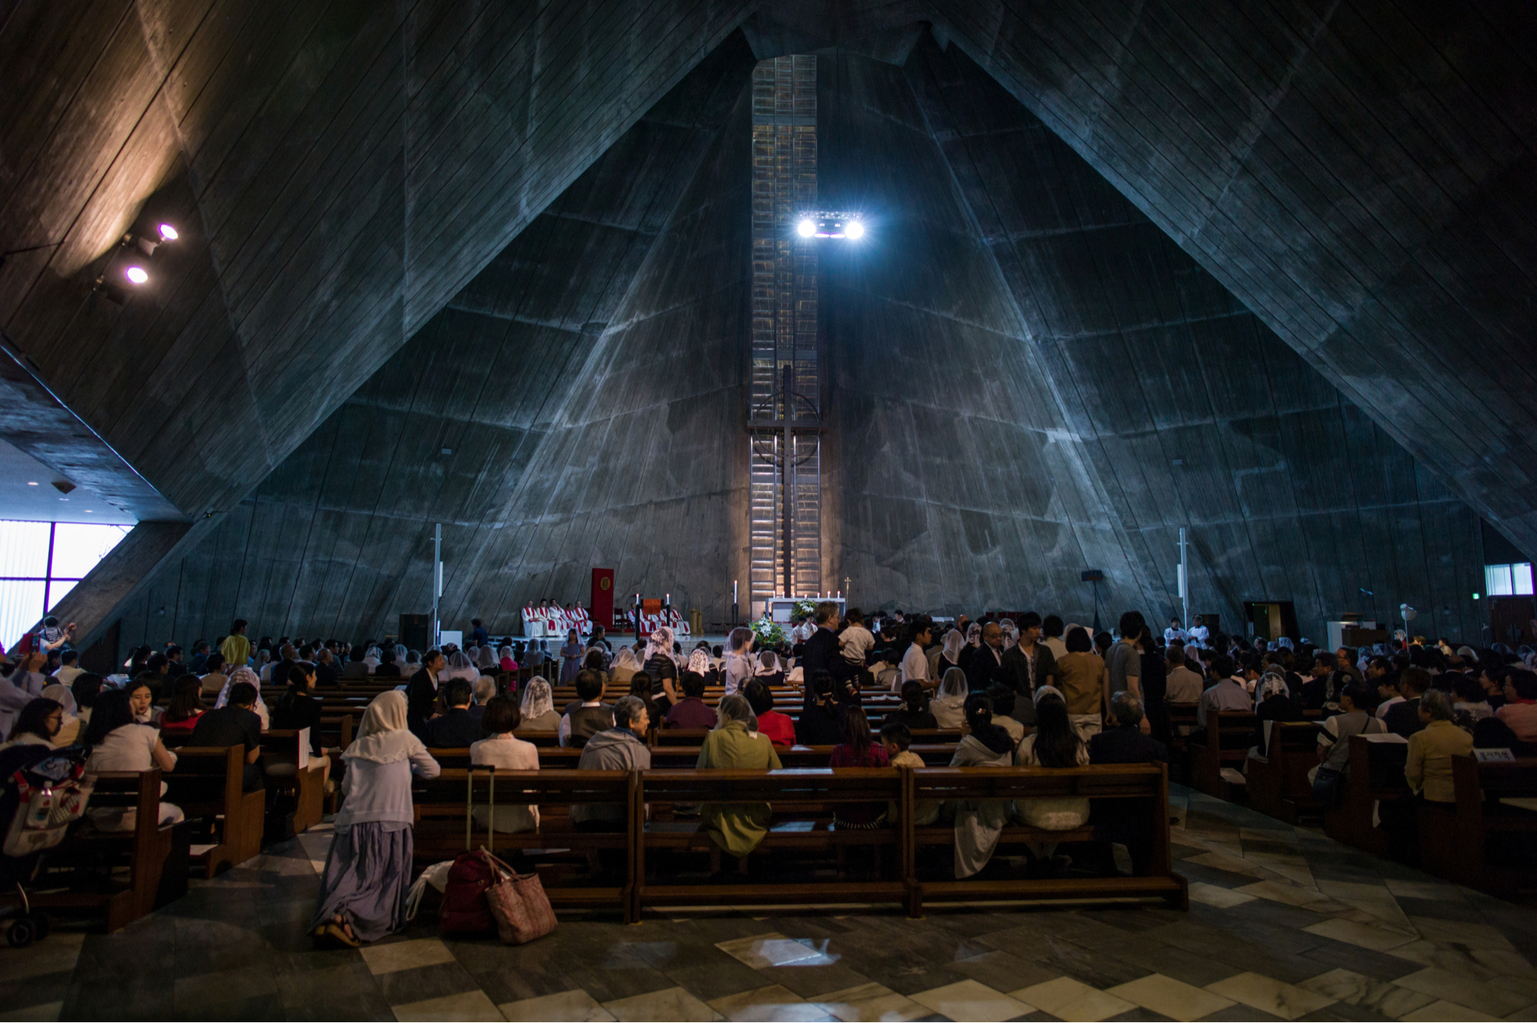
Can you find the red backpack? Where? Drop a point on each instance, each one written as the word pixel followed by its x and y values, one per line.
pixel 465 910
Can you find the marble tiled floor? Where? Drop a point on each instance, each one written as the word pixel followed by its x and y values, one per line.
pixel 1283 924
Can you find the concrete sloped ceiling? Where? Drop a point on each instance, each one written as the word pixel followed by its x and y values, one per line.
pixel 1190 410
pixel 338 172
pixel 1359 174
pixel 541 378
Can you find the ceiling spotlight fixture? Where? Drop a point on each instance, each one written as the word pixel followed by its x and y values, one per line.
pixel 830 224
pixel 121 265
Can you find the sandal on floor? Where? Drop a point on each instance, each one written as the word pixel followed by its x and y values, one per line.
pixel 336 934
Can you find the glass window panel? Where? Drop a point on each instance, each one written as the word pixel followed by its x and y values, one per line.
pixel 57 589
pixel 1497 580
pixel 21 607
pixel 1521 578
pixel 78 546
pixel 23 549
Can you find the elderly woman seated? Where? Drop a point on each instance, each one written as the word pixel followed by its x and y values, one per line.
pixel 736 744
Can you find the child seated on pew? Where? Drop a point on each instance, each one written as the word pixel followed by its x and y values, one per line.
pixel 858 749
pixel 897 737
pixel 778 727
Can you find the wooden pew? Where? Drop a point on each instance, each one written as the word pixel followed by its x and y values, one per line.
pixel 1225 744
pixel 156 856
pixel 1482 841
pixel 1182 725
pixel 1376 773
pixel 443 828
pixel 280 764
pixel 801 825
pixel 207 786
pixel 1148 783
pixel 1278 784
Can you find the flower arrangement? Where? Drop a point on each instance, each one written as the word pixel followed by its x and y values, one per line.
pixel 768 631
pixel 805 608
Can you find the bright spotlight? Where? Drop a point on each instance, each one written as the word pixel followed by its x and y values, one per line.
pixel 854 229
pixel 136 274
pixel 806 228
pixel 168 233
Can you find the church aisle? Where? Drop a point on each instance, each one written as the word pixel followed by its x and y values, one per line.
pixel 1283 924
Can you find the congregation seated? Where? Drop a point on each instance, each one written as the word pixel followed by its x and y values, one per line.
pixel 621 747
pixel 120 742
pixel 979 823
pixel 537 709
pixel 778 727
pixel 456 727
pixel 896 737
pixel 587 716
pixel 504 751
pixel 1334 741
pixel 914 712
pixel 1403 718
pixel 1054 743
pixel 1005 701
pixel 1123 743
pixel 1229 694
pixel 858 749
pixel 235 724
pixel 949 705
pixel 37 724
pixel 736 744
pixel 1273 704
pixel 691 711
pixel 186 706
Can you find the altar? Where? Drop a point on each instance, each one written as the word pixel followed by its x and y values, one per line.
pixel 782 609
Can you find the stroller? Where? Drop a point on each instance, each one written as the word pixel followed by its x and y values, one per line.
pixel 45 791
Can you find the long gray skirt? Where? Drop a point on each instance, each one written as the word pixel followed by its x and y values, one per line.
pixel 366 878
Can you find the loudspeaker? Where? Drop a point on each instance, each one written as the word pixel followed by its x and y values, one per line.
pixel 1091 575
pixel 416 632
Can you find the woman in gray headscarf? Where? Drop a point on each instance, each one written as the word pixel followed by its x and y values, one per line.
pixel 949 706
pixel 485 659
pixel 624 666
pixel 1010 633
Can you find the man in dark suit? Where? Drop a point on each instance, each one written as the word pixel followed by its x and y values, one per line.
pixel 1114 820
pixel 422 693
pixel 821 652
pixel 455 728
pixel 1404 718
pixel 986 665
pixel 1030 664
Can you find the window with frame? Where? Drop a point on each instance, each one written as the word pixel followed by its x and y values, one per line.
pixel 40 562
pixel 1513 580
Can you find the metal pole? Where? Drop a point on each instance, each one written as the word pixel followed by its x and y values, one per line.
pixel 1184 579
pixel 789 487
pixel 437 582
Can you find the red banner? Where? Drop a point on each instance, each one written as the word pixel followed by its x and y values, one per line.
pixel 602 603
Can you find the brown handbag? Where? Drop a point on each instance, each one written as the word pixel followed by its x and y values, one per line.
pixel 518 903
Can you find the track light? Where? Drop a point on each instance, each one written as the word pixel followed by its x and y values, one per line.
pixel 806 228
pixel 132 268
pixel 855 230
